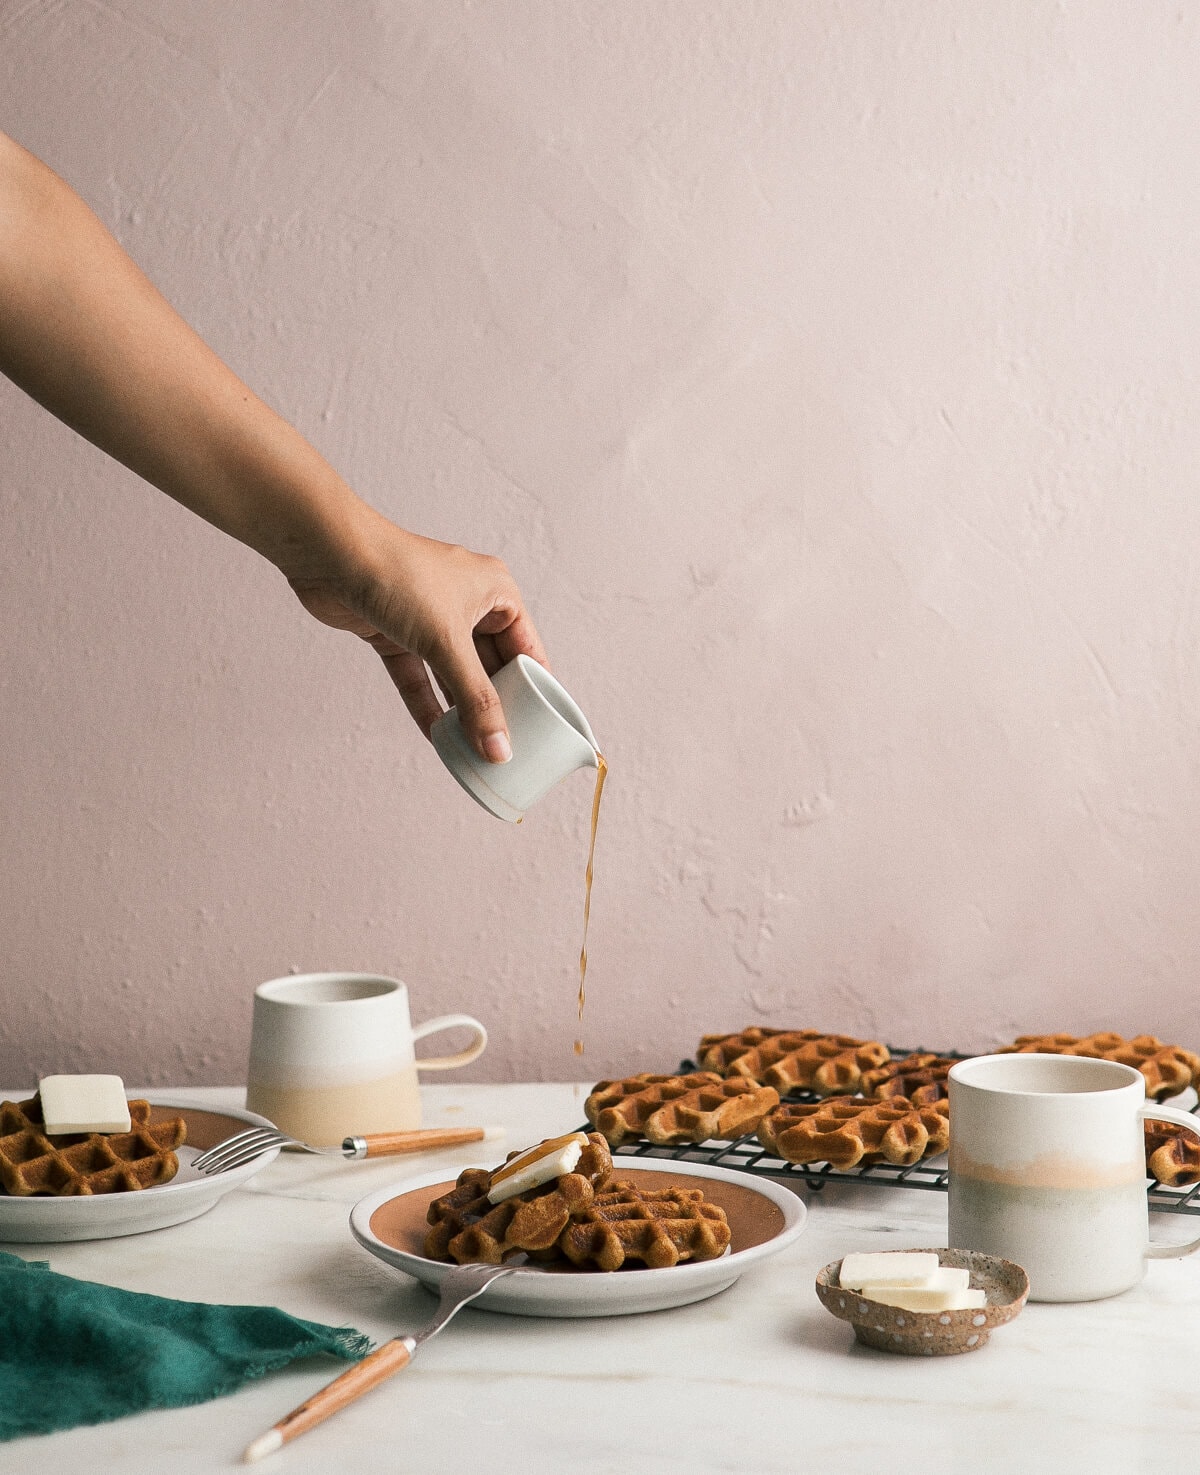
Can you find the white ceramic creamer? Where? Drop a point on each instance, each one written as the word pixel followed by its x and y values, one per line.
pixel 549 736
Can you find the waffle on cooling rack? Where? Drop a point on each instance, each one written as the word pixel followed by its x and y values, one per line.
pixel 1168 1069
pixel 923 1079
pixel 680 1108
pixel 1172 1153
pixel 77 1163
pixel 845 1131
pixel 793 1060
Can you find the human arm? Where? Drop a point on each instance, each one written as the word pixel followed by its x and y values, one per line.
pixel 86 334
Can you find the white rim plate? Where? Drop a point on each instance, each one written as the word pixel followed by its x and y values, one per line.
pixel 536 1292
pixel 45 1220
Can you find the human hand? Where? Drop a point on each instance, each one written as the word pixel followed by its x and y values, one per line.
pixel 84 332
pixel 420 602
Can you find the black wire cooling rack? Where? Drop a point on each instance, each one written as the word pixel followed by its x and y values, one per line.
pixel 748 1155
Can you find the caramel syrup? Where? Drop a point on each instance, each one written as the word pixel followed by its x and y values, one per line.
pixel 533 1154
pixel 601 775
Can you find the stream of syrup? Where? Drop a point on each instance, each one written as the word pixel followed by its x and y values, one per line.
pixel 601 774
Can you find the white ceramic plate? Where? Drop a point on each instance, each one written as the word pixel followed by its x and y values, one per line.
pixel 764 1218
pixel 45 1220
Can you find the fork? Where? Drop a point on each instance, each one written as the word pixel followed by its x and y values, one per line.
pixel 245 1146
pixel 457 1288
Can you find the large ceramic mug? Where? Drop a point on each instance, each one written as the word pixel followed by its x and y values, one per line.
pixel 1048 1169
pixel 331 1055
pixel 549 736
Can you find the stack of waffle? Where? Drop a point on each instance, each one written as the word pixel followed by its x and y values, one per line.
pixel 582 1218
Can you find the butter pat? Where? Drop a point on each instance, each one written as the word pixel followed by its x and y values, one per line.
pixel 925 1298
pixel 891 1268
pixel 83 1104
pixel 539 1165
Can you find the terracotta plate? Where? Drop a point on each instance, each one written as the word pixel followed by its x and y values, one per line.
pixel 45 1220
pixel 763 1217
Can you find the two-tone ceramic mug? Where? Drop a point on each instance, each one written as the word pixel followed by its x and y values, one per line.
pixel 331 1055
pixel 1048 1169
pixel 549 736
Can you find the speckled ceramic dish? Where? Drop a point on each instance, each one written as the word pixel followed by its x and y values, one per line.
pixel 931 1333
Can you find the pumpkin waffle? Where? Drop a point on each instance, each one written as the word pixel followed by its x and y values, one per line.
pixel 658 1226
pixel 682 1108
pixel 466 1226
pixel 1172 1153
pixel 77 1163
pixel 1169 1069
pixel 581 1218
pixel 793 1059
pixel 922 1078
pixel 847 1131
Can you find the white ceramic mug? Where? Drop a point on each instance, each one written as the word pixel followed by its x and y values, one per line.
pixel 331 1055
pixel 549 736
pixel 1048 1169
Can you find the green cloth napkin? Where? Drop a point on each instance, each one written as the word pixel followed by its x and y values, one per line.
pixel 75 1352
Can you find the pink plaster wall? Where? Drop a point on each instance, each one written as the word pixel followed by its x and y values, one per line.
pixel 826 373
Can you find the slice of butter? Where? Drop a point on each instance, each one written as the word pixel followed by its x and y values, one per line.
pixel 890 1267
pixel 83 1104
pixel 951 1278
pixel 537 1166
pixel 925 1298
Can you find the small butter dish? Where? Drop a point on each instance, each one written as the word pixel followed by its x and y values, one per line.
pixel 83 1104
pixel 931 1333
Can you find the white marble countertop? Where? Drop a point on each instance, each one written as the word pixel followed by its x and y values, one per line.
pixel 759 1379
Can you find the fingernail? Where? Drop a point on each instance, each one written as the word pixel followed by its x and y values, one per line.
pixel 496 748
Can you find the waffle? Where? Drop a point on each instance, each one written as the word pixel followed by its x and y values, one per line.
pixel 85 1163
pixel 658 1226
pixel 581 1218
pixel 793 1060
pixel 846 1131
pixel 922 1078
pixel 1172 1153
pixel 466 1226
pixel 666 1109
pixel 1169 1069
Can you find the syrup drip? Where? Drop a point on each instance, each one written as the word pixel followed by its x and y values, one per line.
pixel 533 1154
pixel 601 775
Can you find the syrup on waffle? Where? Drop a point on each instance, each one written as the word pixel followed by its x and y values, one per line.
pixel 581 1218
pixel 848 1130
pixel 466 1226
pixel 78 1163
pixel 1169 1069
pixel 1172 1153
pixel 667 1109
pixel 922 1078
pixel 793 1060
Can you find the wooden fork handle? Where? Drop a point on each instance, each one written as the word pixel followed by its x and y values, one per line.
pixel 389 1144
pixel 377 1366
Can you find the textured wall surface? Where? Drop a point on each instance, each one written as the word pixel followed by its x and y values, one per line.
pixel 828 376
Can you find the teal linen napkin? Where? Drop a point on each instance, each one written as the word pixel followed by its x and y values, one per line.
pixel 75 1352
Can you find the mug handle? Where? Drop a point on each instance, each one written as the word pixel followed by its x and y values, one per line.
pixel 451 1021
pixel 1181 1118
